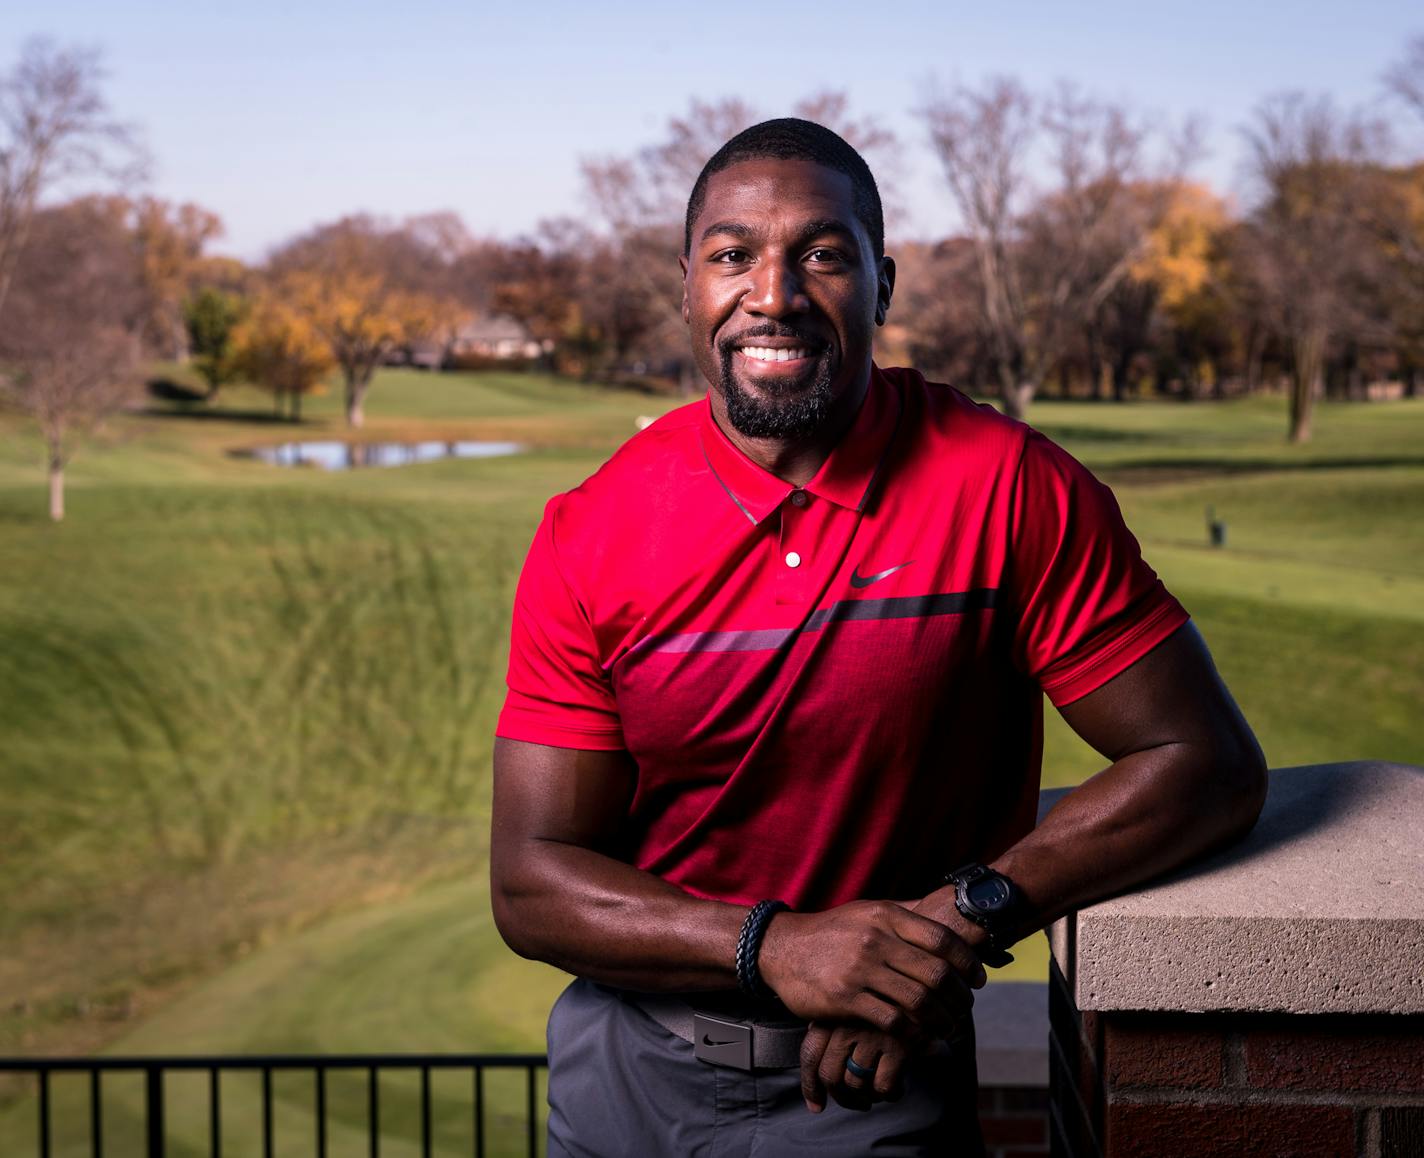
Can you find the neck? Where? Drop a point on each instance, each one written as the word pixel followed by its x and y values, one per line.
pixel 795 461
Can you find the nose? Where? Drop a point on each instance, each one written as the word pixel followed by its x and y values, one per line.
pixel 776 290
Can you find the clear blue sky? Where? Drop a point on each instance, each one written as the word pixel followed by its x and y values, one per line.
pixel 278 116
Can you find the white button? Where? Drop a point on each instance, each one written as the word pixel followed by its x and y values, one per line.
pixel 793 559
pixel 798 498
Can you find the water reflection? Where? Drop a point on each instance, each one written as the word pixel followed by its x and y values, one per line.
pixel 336 455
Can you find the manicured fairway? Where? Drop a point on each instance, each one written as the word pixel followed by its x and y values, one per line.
pixel 246 711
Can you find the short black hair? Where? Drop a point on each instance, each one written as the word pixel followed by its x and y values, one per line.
pixel 792 139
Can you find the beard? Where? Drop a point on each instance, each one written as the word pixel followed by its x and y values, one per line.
pixel 793 411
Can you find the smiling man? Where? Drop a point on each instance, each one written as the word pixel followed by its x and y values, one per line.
pixel 767 772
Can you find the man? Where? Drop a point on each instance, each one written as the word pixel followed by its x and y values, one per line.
pixel 789 645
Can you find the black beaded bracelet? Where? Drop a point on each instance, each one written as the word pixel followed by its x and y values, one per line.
pixel 749 945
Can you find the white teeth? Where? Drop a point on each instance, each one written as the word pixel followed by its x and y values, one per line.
pixel 767 354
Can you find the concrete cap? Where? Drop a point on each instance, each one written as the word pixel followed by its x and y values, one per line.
pixel 1319 910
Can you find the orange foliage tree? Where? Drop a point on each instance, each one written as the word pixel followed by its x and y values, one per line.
pixel 348 280
pixel 277 346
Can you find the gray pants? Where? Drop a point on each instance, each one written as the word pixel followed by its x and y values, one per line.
pixel 621 1085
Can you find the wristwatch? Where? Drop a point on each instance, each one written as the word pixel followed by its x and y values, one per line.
pixel 992 902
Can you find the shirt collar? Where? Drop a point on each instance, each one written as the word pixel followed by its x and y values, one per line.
pixel 844 478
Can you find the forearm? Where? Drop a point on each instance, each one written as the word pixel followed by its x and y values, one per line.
pixel 1146 814
pixel 597 917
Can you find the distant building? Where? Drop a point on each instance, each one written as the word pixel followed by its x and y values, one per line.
pixel 491 336
pixel 496 336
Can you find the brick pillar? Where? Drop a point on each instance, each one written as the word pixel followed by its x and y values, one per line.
pixel 1225 1084
pixel 1248 1006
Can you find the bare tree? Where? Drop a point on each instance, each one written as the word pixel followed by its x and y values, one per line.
pixel 69 351
pixel 1047 259
pixel 1405 78
pixel 1307 251
pixel 55 125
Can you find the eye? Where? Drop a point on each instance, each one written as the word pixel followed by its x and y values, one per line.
pixel 825 255
pixel 731 257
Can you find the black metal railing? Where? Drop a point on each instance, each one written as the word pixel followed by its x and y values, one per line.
pixel 155 1102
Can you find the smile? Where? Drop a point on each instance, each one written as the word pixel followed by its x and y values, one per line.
pixel 768 354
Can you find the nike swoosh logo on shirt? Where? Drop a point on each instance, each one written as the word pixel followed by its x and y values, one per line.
pixel 867 580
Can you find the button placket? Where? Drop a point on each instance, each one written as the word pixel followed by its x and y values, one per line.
pixel 792 562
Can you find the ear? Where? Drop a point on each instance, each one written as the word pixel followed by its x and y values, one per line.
pixel 686 308
pixel 885 290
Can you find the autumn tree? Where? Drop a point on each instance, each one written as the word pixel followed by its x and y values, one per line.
pixel 349 280
pixel 1305 250
pixel 55 125
pixel 1172 267
pixel 211 318
pixel 170 240
pixel 276 345
pixel 69 346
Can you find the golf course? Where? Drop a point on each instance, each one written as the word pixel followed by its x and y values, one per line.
pixel 247 709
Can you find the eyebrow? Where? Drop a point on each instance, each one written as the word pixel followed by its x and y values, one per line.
pixel 810 231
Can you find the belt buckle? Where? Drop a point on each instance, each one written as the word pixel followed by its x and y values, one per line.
pixel 722 1043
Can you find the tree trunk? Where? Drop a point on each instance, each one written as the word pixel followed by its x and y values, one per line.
pixel 356 402
pixel 56 488
pixel 1309 357
pixel 1016 398
pixel 296 406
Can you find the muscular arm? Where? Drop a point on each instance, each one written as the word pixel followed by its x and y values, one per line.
pixel 560 897
pixel 1187 776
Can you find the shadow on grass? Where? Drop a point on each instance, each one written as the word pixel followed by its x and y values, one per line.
pixel 245 417
pixel 1149 470
pixel 1068 432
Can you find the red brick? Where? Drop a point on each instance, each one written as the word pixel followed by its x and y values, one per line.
pixel 1144 1053
pixel 1336 1058
pixel 1401 1132
pixel 1135 1130
pixel 1014 1131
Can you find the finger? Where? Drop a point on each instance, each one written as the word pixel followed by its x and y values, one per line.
pixel 938 941
pixel 882 1014
pixel 867 1056
pixel 832 1071
pixel 887 1087
pixel 813 1047
pixel 934 1010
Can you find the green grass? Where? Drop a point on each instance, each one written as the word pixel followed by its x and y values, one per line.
pixel 247 710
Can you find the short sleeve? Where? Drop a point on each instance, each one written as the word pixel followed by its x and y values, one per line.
pixel 1088 605
pixel 558 693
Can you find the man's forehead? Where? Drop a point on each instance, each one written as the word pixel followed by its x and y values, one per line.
pixel 786 188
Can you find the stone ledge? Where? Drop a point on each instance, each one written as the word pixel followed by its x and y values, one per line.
pixel 1319 910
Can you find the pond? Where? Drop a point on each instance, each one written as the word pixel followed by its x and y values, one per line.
pixel 333 454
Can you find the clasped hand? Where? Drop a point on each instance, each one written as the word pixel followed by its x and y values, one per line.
pixel 878 981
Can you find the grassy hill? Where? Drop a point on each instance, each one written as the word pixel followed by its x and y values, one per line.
pixel 246 710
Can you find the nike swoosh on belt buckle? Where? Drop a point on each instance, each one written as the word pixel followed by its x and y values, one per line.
pixel 722 1043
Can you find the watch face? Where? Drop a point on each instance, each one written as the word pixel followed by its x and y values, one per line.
pixel 990 895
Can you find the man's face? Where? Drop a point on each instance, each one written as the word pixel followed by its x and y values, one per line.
pixel 782 294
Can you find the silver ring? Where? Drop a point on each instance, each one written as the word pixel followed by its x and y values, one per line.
pixel 864 1073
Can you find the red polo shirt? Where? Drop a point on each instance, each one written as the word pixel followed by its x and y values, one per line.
pixel 830 692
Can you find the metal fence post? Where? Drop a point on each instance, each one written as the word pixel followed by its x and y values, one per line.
pixel 153 1095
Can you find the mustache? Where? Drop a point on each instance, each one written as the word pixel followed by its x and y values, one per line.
pixel 770 330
